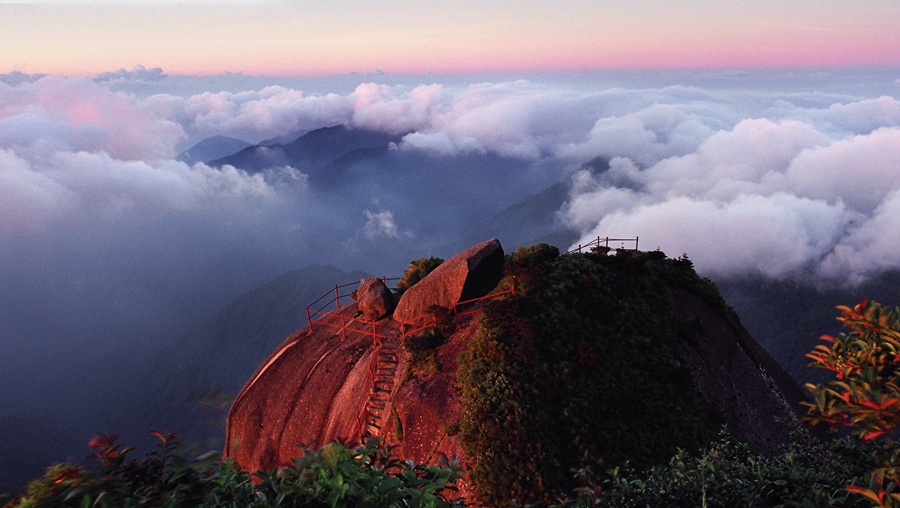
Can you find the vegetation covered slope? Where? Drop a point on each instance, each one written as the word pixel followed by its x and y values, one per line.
pixel 580 367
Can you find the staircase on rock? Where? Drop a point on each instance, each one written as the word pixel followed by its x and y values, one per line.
pixel 384 368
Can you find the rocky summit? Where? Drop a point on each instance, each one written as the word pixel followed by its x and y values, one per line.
pixel 604 358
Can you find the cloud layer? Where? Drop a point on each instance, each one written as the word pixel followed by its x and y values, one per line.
pixel 95 208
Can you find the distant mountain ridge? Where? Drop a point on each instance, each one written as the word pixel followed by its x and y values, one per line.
pixel 309 152
pixel 212 148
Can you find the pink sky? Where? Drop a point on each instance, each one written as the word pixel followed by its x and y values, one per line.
pixel 406 37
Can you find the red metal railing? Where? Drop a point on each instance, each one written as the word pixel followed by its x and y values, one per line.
pixel 602 243
pixel 317 314
pixel 406 333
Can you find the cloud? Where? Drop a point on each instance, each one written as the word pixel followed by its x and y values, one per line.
pixel 137 74
pixel 95 210
pixel 776 198
pixel 15 78
pixel 252 115
pixel 769 235
pixel 382 224
pixel 860 170
pixel 76 114
pixel 395 110
pixel 869 247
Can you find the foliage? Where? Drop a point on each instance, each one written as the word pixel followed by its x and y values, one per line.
pixel 334 476
pixel 865 396
pixel 575 369
pixel 422 350
pixel 810 473
pixel 417 271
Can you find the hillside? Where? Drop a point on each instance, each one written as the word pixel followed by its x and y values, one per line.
pixel 187 387
pixel 583 358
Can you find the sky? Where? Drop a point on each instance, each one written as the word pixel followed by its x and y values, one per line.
pixel 327 37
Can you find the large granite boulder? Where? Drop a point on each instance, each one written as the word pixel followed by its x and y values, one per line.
pixel 374 298
pixel 470 274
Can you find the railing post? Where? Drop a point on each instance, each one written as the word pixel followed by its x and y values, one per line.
pixel 308 318
pixel 636 242
pixel 337 296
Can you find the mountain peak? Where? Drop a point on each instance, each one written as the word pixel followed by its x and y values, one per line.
pixel 605 357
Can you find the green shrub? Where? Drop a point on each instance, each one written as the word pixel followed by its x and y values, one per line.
pixel 577 369
pixel 422 351
pixel 416 271
pixel 334 476
pixel 811 473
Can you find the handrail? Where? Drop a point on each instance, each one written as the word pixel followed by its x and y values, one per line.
pixel 337 298
pixel 594 245
pixel 406 333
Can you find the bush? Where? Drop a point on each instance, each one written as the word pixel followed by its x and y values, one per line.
pixel 334 476
pixel 417 271
pixel 578 368
pixel 810 473
pixel 865 396
pixel 422 351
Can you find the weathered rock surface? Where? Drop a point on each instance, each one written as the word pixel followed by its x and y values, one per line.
pixel 374 298
pixel 309 391
pixel 469 274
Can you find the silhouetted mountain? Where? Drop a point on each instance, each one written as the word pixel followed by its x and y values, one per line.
pixel 309 152
pixel 530 221
pixel 212 148
pixel 281 139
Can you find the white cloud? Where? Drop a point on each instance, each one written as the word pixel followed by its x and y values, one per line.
pixel 382 224
pixel 749 166
pixel 766 197
pixel 860 170
pixel 76 114
pixel 771 235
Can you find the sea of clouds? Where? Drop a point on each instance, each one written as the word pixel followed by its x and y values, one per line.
pixel 111 248
pixel 106 238
pixel 743 180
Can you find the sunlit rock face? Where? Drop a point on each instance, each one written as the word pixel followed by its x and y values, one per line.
pixel 309 391
pixel 315 388
pixel 374 298
pixel 470 274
